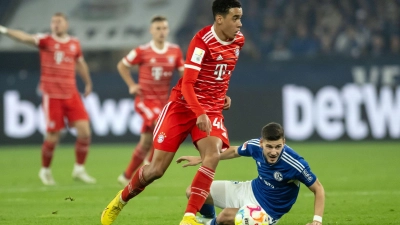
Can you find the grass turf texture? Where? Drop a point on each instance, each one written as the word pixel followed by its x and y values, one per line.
pixel 361 181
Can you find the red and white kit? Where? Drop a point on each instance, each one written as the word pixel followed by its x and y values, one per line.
pixel 155 74
pixel 57 81
pixel 208 67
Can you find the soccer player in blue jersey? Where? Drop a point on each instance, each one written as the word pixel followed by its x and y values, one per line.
pixel 280 171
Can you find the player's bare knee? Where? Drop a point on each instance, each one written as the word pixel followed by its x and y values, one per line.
pixel 84 136
pixel 83 132
pixel 211 160
pixel 52 136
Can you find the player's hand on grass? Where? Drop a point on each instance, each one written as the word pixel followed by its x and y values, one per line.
pixel 204 123
pixel 88 89
pixel 134 89
pixel 227 104
pixel 191 160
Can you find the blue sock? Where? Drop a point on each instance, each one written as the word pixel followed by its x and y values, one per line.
pixel 207 211
pixel 214 222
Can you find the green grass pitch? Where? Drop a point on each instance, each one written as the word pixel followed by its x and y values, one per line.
pixel 361 180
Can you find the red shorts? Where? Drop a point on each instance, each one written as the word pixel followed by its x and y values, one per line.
pixel 176 122
pixel 149 111
pixel 56 110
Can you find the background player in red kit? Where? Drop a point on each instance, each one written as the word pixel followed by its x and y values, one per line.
pixel 195 108
pixel 157 61
pixel 60 55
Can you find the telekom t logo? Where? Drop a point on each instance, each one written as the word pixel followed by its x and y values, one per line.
pixel 58 56
pixel 157 72
pixel 220 70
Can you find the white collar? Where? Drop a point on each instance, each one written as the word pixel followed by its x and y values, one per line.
pixel 219 40
pixel 157 50
pixel 62 40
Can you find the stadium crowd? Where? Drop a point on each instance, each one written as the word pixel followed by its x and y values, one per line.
pixel 282 29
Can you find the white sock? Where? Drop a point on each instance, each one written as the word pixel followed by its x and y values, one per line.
pixel 46 169
pixel 122 201
pixel 79 167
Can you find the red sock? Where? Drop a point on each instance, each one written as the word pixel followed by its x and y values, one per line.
pixel 81 150
pixel 151 153
pixel 137 159
pixel 47 153
pixel 135 186
pixel 200 189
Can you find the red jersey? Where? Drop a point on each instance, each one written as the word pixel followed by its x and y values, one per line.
pixel 57 63
pixel 215 61
pixel 156 67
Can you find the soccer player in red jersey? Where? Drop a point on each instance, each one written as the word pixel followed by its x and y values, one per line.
pixel 157 61
pixel 60 55
pixel 195 107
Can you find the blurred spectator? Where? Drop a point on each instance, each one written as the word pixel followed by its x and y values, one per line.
pixel 377 45
pixel 395 44
pixel 280 52
pixel 280 29
pixel 303 43
pixel 350 42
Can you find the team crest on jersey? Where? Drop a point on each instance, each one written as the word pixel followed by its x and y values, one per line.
pixel 237 51
pixel 72 47
pixel 278 176
pixel 171 59
pixel 161 137
pixel 57 46
pixel 152 60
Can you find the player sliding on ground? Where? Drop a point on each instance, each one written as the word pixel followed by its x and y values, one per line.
pixel 280 171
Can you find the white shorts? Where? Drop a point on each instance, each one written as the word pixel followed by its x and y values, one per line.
pixel 234 194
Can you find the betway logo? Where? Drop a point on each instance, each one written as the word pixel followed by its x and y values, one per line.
pixel 355 110
pixel 23 118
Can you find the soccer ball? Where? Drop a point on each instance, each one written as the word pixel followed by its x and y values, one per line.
pixel 251 215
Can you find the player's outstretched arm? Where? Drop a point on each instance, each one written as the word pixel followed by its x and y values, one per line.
pixel 125 73
pixel 83 71
pixel 18 35
pixel 191 160
pixel 230 153
pixel 319 202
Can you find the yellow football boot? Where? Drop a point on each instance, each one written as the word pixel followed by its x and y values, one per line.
pixel 112 210
pixel 189 220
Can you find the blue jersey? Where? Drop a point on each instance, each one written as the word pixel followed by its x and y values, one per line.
pixel 277 185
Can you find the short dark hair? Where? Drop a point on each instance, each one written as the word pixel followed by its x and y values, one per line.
pixel 222 7
pixel 272 132
pixel 158 18
pixel 60 14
